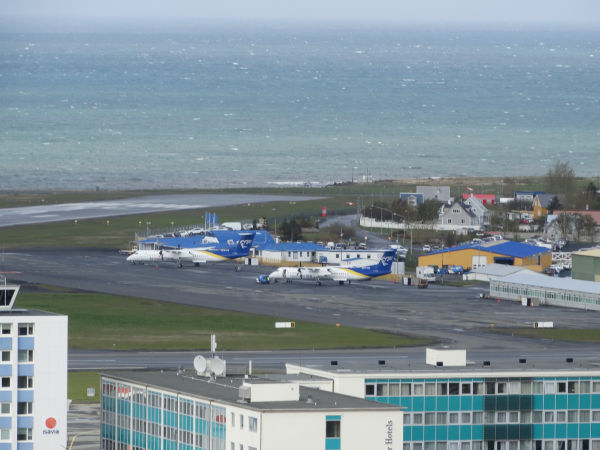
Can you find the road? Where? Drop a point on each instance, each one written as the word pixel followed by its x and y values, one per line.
pixel 455 316
pixel 147 204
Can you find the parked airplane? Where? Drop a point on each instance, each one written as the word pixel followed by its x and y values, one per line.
pixel 340 274
pixel 197 256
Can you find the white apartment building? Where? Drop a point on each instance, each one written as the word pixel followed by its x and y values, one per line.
pixel 33 376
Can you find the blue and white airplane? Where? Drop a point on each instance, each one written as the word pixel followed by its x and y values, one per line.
pixel 197 256
pixel 341 274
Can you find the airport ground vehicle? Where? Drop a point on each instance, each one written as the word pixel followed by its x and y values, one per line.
pixel 422 284
pixel 426 273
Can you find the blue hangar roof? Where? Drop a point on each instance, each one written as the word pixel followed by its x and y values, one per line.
pixel 506 248
pixel 293 247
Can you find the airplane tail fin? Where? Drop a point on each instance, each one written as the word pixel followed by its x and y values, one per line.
pixel 244 244
pixel 385 263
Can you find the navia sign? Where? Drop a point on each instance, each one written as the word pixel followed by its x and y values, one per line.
pixel 50 426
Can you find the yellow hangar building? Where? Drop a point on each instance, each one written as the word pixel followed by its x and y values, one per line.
pixel 472 256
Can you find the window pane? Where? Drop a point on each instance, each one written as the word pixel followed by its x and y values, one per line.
pixel 417 419
pixel 394 390
pixel 332 429
pixel 429 388
pixel 418 389
pixel 465 417
pixel 466 388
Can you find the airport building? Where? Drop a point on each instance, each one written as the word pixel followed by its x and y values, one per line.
pixel 481 405
pixel 162 410
pixel 532 288
pixel 473 256
pixel 33 376
pixel 586 265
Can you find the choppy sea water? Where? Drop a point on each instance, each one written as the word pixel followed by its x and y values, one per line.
pixel 258 106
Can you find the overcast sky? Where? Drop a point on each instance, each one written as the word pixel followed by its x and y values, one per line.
pixel 447 11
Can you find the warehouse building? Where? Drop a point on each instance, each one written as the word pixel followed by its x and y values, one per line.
pixel 586 265
pixel 482 405
pixel 33 376
pixel 177 410
pixel 473 256
pixel 532 288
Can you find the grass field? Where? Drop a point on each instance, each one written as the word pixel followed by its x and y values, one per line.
pixel 118 232
pixel 99 321
pixel 559 334
pixel 78 384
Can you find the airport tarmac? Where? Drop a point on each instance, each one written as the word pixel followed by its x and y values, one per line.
pixel 455 316
pixel 136 205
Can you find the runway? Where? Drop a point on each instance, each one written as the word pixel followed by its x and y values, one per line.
pixel 455 316
pixel 147 204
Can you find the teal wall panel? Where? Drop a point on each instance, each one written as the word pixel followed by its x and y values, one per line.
pixel 584 430
pixel 407 433
pixel 561 402
pixel 417 433
pixel 429 433
pixel 417 403
pixel 596 401
pixel 441 433
pixel 595 431
pixel 453 433
pixel 584 401
pixel 548 431
pixel 465 432
pixel 572 431
pixel 477 403
pixel 573 401
pixel 466 403
pixel 537 431
pixel 454 404
pixel 442 403
pixel 538 401
pixel 477 432
pixel 550 402
pixel 430 404
pixel 561 431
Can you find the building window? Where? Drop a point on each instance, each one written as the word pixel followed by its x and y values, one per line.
pixel 232 421
pixel 24 408
pixel 5 408
pixel 4 434
pixel 24 382
pixel 253 424
pixel 370 389
pixel 25 356
pixel 241 422
pixel 25 329
pixel 232 446
pixel 332 429
pixel 5 355
pixel 6 328
pixel 418 418
pixel 6 382
pixel 24 434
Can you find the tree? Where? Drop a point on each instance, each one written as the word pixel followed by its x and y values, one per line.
pixel 578 224
pixel 564 224
pixel 429 210
pixel 290 230
pixel 589 225
pixel 560 178
pixel 554 204
pixel 590 196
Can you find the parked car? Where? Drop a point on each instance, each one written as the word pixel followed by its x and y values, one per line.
pixel 426 248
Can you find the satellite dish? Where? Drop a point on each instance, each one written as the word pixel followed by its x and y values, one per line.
pixel 200 364
pixel 217 366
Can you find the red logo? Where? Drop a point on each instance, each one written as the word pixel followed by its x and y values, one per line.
pixel 50 422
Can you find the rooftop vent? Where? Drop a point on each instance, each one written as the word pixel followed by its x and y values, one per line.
pixel 569 360
pixel 334 363
pixel 522 361
pixel 487 363
pixel 381 362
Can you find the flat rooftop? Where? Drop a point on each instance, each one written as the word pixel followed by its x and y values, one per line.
pixel 226 390
pixel 531 367
pixel 27 312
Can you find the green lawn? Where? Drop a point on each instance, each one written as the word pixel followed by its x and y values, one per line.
pixel 78 384
pixel 100 321
pixel 559 334
pixel 118 232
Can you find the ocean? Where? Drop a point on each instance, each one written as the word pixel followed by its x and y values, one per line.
pixel 224 106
